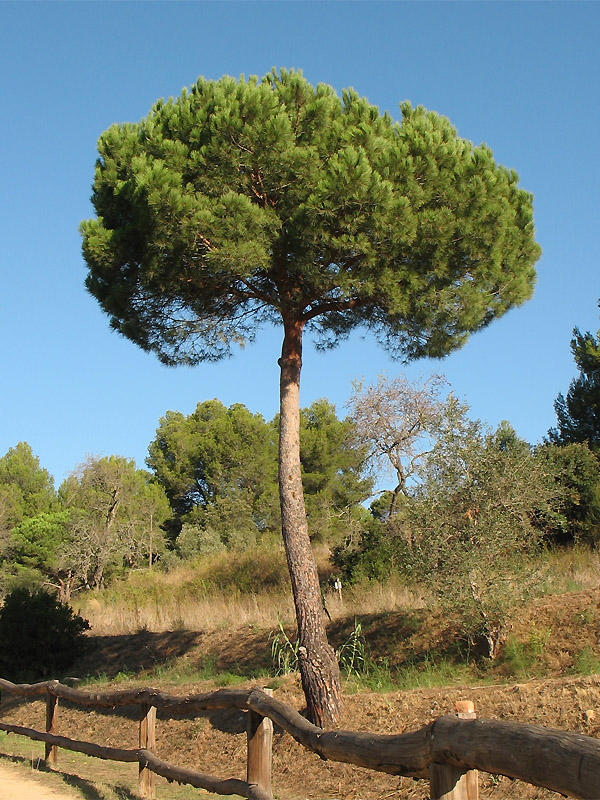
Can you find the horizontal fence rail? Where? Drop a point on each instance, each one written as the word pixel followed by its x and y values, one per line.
pixel 446 750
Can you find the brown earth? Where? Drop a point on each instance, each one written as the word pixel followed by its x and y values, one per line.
pixel 556 629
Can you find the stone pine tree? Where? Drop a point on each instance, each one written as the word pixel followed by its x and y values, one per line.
pixel 244 202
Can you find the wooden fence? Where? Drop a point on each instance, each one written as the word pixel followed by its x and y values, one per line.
pixel 448 751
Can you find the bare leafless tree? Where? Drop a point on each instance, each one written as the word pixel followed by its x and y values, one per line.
pixel 396 420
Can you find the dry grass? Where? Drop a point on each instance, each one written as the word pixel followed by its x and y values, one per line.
pixel 225 591
pixel 374 598
pixel 585 568
pixel 574 569
pixel 209 596
pixel 216 611
pixel 220 610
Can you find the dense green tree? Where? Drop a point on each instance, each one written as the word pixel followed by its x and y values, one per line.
pixel 36 541
pixel 333 466
pixel 11 501
pixel 243 202
pixel 40 543
pixel 227 457
pixel 113 509
pixel 26 489
pixel 579 413
pixel 216 453
pixel 575 516
pixel 231 520
pixel 475 521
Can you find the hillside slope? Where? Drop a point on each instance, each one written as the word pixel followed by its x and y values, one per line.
pixel 553 637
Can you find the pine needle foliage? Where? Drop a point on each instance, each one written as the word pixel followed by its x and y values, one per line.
pixel 244 200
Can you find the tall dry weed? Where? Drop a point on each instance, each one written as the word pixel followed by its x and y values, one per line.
pixel 214 611
pixel 217 593
pixel 253 589
pixel 575 568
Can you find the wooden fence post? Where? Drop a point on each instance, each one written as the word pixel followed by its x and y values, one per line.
pixel 448 782
pixel 147 742
pixel 51 750
pixel 260 747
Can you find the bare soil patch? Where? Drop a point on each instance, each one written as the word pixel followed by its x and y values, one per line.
pixel 17 783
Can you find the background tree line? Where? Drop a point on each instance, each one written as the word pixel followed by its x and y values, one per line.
pixel 466 510
pixel 99 521
pixel 212 486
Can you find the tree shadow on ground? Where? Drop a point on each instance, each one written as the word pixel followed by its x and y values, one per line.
pixel 109 656
pixel 147 651
pixel 403 639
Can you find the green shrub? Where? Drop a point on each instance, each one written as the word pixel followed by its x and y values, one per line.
pixel 195 540
pixel 586 662
pixel 352 653
pixel 379 552
pixel 526 659
pixel 40 636
pixel 284 652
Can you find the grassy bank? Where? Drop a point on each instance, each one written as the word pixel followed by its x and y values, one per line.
pixel 228 619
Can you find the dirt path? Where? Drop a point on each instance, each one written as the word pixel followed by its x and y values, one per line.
pixel 18 784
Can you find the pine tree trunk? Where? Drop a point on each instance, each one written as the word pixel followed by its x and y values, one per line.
pixel 318 665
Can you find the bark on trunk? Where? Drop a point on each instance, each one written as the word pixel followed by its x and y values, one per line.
pixel 394 500
pixel 398 490
pixel 318 664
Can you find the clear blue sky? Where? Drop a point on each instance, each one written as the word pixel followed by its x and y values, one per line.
pixel 523 77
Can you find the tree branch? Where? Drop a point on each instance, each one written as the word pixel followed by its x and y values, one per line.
pixel 326 308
